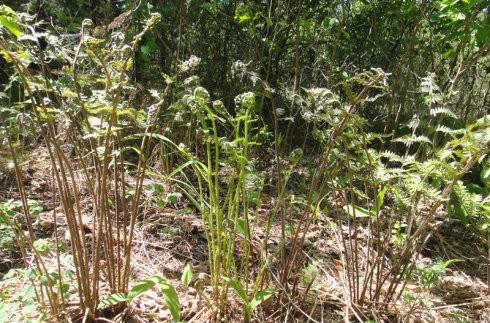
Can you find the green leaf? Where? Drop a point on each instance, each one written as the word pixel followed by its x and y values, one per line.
pixel 381 197
pixel 33 274
pixel 450 53
pixel 113 300
pixel 243 18
pixel 8 19
pixel 42 246
pixel 11 26
pixel 7 310
pixel 49 279
pixel 140 288
pixel 29 293
pixel 171 298
pixel 65 288
pixel 174 197
pixel 161 202
pixel 156 189
pixel 448 263
pixel 475 189
pixel 296 156
pixel 7 11
pixel 187 275
pixel 148 49
pixel 357 211
pixel 483 34
pixel 238 290
pixel 261 296
pixel 29 309
pixel 241 225
pixel 35 207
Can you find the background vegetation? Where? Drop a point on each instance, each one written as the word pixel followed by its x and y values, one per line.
pixel 323 160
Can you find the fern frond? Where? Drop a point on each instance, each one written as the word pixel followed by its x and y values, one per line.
pixel 401 197
pixel 372 136
pixel 466 204
pixel 448 131
pixel 435 168
pixel 409 140
pixel 391 156
pixel 440 110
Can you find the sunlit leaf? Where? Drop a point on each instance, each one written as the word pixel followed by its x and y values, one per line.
pixel 261 296
pixel 140 288
pixel 8 19
pixel 113 300
pixel 356 211
pixel 171 298
pixel 187 275
pixel 238 289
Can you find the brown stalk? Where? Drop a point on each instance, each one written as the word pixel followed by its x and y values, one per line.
pixel 57 157
pixel 306 218
pixel 31 237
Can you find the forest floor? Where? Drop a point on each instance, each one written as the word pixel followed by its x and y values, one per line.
pixel 168 238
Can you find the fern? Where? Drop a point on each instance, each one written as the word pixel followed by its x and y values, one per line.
pixel 448 131
pixel 310 272
pixel 440 110
pixel 416 185
pixel 431 90
pixel 372 136
pixel 409 140
pixel 401 197
pixel 321 105
pixel 391 156
pixel 435 169
pixel 383 174
pixel 465 205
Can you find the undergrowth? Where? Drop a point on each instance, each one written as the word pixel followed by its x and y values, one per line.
pixel 382 195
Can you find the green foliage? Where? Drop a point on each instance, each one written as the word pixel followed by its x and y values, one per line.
pixel 7 237
pixel 430 276
pixel 9 20
pixel 358 211
pixel 311 273
pixel 21 306
pixel 12 207
pixel 412 299
pixel 250 303
pixel 168 293
pixel 164 199
pixel 171 299
pixel 43 246
pixel 187 275
pixel 380 104
pixel 398 237
pixel 466 205
pixel 9 212
pixel 114 299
